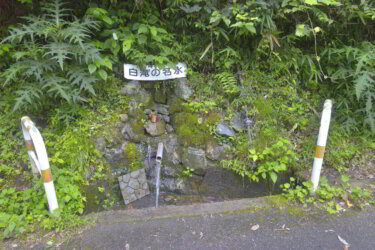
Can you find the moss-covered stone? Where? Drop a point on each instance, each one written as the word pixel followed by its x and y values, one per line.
pixel 190 131
pixel 160 96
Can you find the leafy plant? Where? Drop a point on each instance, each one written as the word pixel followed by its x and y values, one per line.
pixel 267 164
pixel 327 196
pixel 54 58
pixel 187 172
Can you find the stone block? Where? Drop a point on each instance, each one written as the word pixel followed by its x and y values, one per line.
pixel 134 186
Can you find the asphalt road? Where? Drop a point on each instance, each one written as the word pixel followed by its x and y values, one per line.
pixel 230 226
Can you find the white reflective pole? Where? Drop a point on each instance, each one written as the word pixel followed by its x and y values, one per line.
pixel 321 143
pixel 39 159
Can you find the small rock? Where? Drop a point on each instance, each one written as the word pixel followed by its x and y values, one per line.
pixel 214 151
pixel 238 121
pixel 166 118
pixel 122 185
pixel 175 158
pixel 128 133
pixel 119 125
pixel 182 89
pixel 124 117
pixel 196 158
pixel 169 128
pixel 100 143
pixel 155 129
pixel 223 129
pixel 161 109
pixel 131 88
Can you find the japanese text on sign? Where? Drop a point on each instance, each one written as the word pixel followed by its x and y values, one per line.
pixel 153 73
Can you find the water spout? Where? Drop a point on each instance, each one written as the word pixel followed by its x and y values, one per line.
pixel 159 157
pixel 149 155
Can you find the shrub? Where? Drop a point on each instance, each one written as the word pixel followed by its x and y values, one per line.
pixel 55 58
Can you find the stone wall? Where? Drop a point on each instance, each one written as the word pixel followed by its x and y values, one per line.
pixel 133 186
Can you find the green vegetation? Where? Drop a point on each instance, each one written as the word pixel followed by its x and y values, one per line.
pixel 134 156
pixel 327 196
pixel 74 160
pixel 54 58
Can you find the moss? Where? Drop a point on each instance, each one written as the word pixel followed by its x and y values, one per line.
pixel 212 119
pixel 277 200
pixel 133 155
pixel 137 127
pixel 190 131
pixel 176 105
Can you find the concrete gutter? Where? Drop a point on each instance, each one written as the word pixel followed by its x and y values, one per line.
pixel 225 207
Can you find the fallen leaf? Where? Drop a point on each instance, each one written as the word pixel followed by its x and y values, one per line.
pixel 347 245
pixel 201 235
pixel 127 247
pixel 329 230
pixel 349 204
pixel 193 233
pixel 255 227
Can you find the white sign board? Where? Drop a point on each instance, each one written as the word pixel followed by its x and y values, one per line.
pixel 153 73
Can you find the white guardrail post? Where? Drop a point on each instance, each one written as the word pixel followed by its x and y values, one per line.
pixel 321 143
pixel 39 159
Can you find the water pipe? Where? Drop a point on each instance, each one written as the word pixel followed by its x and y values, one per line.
pixel 159 157
pixel 321 143
pixel 39 159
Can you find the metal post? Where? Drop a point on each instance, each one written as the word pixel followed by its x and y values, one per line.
pixel 159 157
pixel 39 159
pixel 321 143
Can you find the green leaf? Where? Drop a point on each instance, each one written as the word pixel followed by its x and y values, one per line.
pixel 344 179
pixel 273 177
pixel 142 39
pixel 11 226
pixel 126 45
pixel 107 20
pixel 107 62
pixel 300 30
pixel 153 31
pixel 250 27
pixel 103 74
pixel 311 2
pixel 330 2
pixel 67 198
pixel 143 29
pixel 92 68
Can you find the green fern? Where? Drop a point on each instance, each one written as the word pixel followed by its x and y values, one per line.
pixel 228 83
pixel 357 73
pixel 27 97
pixel 54 51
